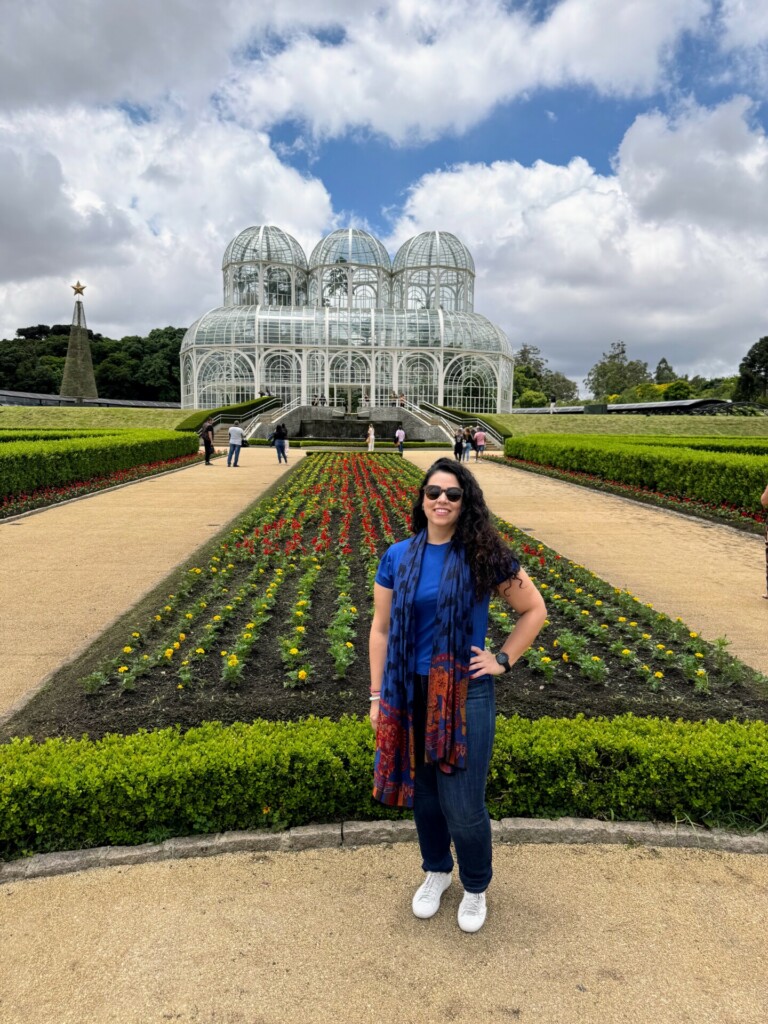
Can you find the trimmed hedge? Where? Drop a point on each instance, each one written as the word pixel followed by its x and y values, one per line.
pixel 27 466
pixel 68 794
pixel 686 471
pixel 197 419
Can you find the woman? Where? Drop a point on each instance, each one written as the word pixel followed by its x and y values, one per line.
pixel 458 444
pixel 764 503
pixel 281 442
pixel 371 437
pixel 432 686
pixel 467 443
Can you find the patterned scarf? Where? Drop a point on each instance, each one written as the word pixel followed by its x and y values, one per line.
pixel 446 732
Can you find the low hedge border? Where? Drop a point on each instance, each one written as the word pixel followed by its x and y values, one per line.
pixel 196 419
pixel 147 787
pixel 353 834
pixel 27 466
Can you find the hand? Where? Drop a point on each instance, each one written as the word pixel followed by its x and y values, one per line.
pixel 483 663
pixel 374 714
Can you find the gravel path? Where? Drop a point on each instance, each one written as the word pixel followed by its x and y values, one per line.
pixel 599 934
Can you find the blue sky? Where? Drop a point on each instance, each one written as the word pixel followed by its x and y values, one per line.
pixel 606 162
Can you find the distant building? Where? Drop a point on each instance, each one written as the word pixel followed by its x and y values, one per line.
pixel 348 325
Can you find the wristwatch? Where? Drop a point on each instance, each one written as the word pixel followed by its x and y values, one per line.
pixel 503 660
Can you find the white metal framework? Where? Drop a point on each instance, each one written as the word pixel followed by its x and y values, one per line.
pixel 349 325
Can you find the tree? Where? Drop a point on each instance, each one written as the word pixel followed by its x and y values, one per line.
pixel 753 373
pixel 559 387
pixel 678 389
pixel 532 400
pixel 614 373
pixel 530 357
pixel 664 373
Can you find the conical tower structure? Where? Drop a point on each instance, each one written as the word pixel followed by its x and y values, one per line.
pixel 78 380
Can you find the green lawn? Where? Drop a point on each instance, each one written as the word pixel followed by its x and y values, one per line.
pixel 688 426
pixel 61 416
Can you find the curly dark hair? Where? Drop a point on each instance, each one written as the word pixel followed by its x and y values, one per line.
pixel 490 559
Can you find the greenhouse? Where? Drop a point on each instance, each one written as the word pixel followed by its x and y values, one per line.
pixel 348 327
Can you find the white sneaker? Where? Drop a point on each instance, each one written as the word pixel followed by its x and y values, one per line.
pixel 472 911
pixel 426 899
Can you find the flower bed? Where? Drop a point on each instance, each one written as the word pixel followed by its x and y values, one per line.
pixel 275 625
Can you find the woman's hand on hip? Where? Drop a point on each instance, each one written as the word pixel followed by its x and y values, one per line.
pixel 483 663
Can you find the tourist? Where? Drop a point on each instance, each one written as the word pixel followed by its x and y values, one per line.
pixel 371 437
pixel 432 687
pixel 281 442
pixel 400 437
pixel 207 435
pixel 236 438
pixel 401 400
pixel 458 444
pixel 764 503
pixel 322 399
pixel 467 444
pixel 314 399
pixel 479 443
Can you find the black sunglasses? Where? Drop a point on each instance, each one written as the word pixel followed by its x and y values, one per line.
pixel 433 492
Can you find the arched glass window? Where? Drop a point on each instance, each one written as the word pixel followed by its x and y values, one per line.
pixel 418 378
pixel 225 378
pixel 281 374
pixel 246 290
pixel 384 377
pixel 336 287
pixel 470 384
pixel 277 287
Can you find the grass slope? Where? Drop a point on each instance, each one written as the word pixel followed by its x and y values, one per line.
pixel 61 416
pixel 673 426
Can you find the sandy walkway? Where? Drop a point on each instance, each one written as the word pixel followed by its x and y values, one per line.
pixel 574 934
pixel 709 575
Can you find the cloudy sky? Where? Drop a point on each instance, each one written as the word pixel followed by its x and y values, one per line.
pixel 606 161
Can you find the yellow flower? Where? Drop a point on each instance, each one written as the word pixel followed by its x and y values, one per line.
pixel 123 668
pixel 301 674
pixel 659 647
pixel 182 637
pixel 169 652
pixel 579 590
pixel 294 650
pixel 698 654
pixel 158 618
pixel 229 607
pixel 565 657
pixel 543 586
pixel 300 604
pixel 701 671
pixel 584 611
pixel 176 645
pixel 604 625
pixel 555 643
pixel 247 636
pixel 299 614
pixel 233 660
pixel 348 644
pixel 693 635
pixel 301 629
pixel 224 654
pixel 669 652
pixel 127 650
pixel 626 651
pixel 135 635
pixel 646 636
pixel 633 623
pixel 598 604
pixel 216 618
pixel 168 608
pixel 658 675
pixel 249 625
pixel 180 686
pixel 595 658
pixel 352 608
pixel 545 660
pixel 200 650
pixel 278 572
pixel 185 663
pixel 622 618
pixel 188 615
pixel 646 668
pixel 214 569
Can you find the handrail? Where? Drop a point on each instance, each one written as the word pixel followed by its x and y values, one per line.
pixel 464 420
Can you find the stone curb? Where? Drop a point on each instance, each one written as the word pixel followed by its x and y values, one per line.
pixel 352 834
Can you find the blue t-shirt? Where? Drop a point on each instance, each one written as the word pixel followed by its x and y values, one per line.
pixel 425 602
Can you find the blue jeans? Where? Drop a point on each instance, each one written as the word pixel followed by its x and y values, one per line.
pixel 280 446
pixel 452 807
pixel 233 454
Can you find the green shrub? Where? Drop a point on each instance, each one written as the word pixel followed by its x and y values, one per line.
pixel 68 794
pixel 27 466
pixel 196 419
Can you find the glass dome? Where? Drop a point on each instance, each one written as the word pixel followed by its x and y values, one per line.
pixel 434 249
pixel 265 244
pixel 350 245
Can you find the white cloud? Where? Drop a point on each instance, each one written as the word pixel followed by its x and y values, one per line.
pixel 141 213
pixel 417 71
pixel 745 22
pixel 571 260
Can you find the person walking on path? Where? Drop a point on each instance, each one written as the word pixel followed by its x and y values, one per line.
pixel 479 443
pixel 236 438
pixel 764 503
pixel 281 440
pixel 371 437
pixel 432 686
pixel 458 444
pixel 207 436
pixel 467 443
pixel 400 437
